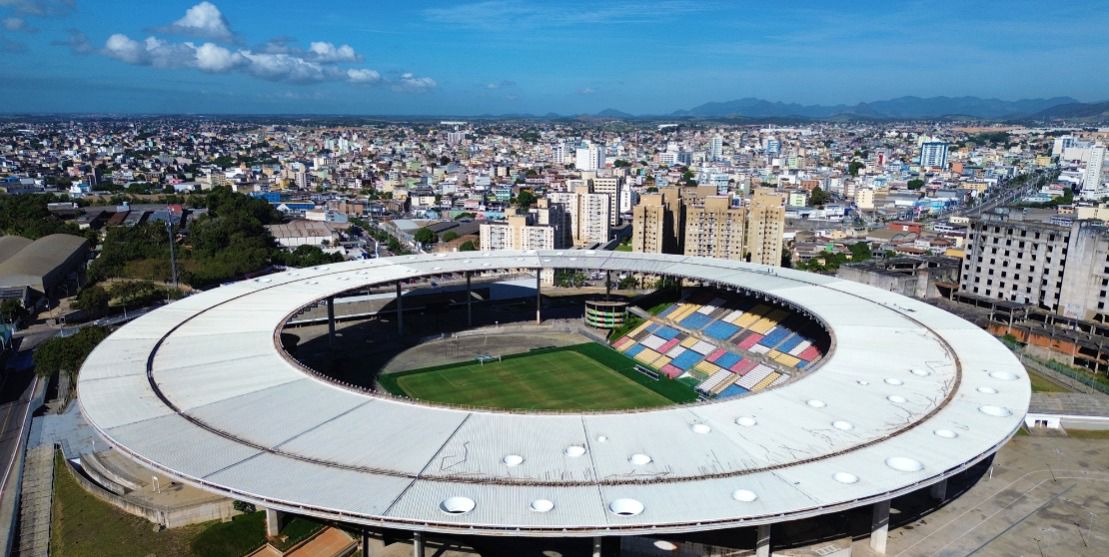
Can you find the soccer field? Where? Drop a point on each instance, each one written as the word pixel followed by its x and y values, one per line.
pixel 559 379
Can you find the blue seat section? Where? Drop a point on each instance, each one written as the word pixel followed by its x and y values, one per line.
pixel 667 333
pixel 721 330
pixel 801 364
pixel 790 343
pixel 776 335
pixel 696 321
pixel 728 360
pixel 631 352
pixel 733 390
pixel 686 360
pixel 669 309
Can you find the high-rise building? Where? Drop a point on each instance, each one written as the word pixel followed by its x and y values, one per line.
pixel 1091 179
pixel 933 154
pixel 766 227
pixel 716 147
pixel 612 187
pixel 589 214
pixel 590 157
pixel 652 226
pixel 716 229
pixel 518 233
pixel 1055 266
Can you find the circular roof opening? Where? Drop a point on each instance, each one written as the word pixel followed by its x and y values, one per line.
pixel 665 545
pixel 863 382
pixel 843 425
pixel 987 390
pixel 904 464
pixel 602 439
pixel 920 372
pixel 574 451
pixel 1004 375
pixel 945 433
pixel 746 421
pixel 639 459
pixel 513 460
pixel 997 411
pixel 457 505
pixel 815 403
pixel 700 428
pixel 625 507
pixel 541 505
pixel 896 399
pixel 894 381
pixel 744 495
pixel 845 477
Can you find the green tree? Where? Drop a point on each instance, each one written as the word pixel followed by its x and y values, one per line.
pixel 65 355
pixel 449 235
pixel 525 199
pixel 468 245
pixel 916 184
pixel 853 168
pixel 93 300
pixel 426 236
pixel 11 311
pixel 819 197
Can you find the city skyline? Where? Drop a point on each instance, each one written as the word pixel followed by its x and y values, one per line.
pixel 517 57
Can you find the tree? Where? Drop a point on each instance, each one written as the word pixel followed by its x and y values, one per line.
pixel 11 311
pixel 449 235
pixel 853 168
pixel 525 199
pixel 66 354
pixel 468 245
pixel 819 197
pixel 916 184
pixel 93 300
pixel 426 236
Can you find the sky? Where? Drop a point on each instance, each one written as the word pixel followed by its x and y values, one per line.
pixel 527 56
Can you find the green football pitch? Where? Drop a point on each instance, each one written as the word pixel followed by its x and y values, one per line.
pixel 582 377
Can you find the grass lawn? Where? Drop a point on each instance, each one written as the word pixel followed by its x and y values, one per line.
pixel 1088 433
pixel 82 525
pixel 582 377
pixel 1041 384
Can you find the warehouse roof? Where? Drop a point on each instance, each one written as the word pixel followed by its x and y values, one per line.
pixel 40 259
pixel 11 245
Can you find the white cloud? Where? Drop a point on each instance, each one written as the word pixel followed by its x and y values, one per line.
pixel 503 84
pixel 14 23
pixel 77 42
pixel 586 91
pixel 214 58
pixel 363 75
pixel 327 52
pixel 408 82
pixel 39 8
pixel 203 20
pixel 121 47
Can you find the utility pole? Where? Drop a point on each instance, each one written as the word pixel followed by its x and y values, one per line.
pixel 172 251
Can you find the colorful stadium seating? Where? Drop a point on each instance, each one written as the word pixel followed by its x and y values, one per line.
pixel 719 343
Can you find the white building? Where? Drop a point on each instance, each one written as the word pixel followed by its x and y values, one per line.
pixel 933 154
pixel 590 157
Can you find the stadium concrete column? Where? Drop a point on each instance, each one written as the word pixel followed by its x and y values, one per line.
pixel 538 296
pixel 417 544
pixel 880 527
pixel 938 491
pixel 608 284
pixel 469 302
pixel 330 320
pixel 273 522
pixel 598 545
pixel 400 311
pixel 762 541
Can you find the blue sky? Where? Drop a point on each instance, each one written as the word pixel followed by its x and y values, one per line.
pixel 517 56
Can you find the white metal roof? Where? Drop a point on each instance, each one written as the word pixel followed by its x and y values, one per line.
pixel 200 389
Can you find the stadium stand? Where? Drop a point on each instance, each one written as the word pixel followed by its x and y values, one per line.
pixel 725 345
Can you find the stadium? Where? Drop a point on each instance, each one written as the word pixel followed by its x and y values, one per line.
pixel 757 408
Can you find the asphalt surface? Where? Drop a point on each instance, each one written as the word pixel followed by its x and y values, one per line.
pixel 16 389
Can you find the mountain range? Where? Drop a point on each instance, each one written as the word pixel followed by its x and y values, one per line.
pixel 901 108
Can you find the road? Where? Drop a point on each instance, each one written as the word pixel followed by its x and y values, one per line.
pixel 16 391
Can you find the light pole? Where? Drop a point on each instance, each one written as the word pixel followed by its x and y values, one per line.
pixel 172 251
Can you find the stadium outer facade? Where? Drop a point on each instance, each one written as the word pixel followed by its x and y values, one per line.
pixel 908 396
